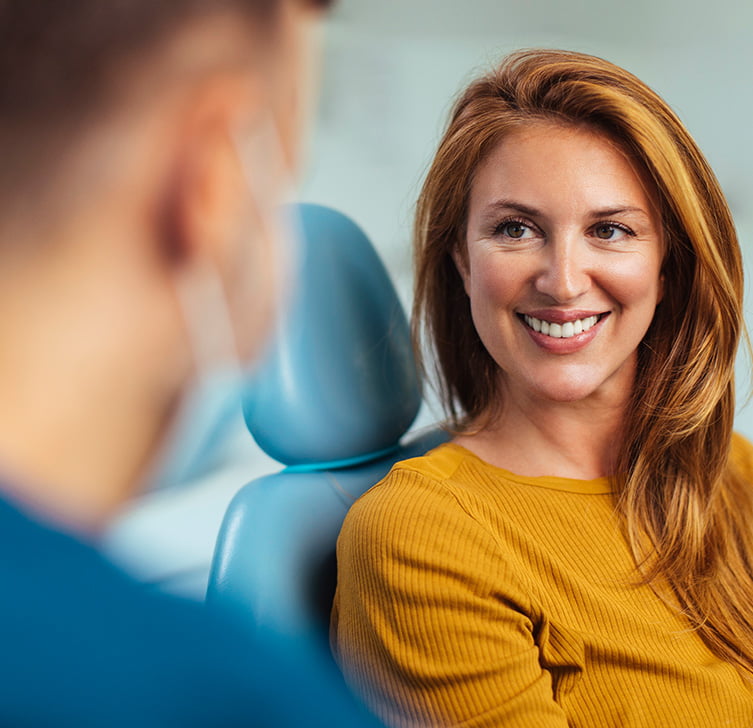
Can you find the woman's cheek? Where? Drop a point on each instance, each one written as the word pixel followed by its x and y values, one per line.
pixel 633 281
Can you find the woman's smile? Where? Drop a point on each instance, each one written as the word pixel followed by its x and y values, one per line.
pixel 562 332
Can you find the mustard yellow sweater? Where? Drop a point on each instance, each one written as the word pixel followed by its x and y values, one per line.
pixel 470 596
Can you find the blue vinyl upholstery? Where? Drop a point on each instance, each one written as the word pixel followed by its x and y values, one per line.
pixel 335 397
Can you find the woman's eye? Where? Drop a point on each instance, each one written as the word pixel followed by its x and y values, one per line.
pixel 607 231
pixel 514 230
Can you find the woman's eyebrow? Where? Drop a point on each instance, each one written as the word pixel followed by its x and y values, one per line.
pixel 621 209
pixel 505 205
pixel 494 208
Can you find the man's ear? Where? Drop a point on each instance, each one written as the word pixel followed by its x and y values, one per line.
pixel 204 190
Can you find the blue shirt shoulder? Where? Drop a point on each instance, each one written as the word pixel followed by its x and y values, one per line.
pixel 85 645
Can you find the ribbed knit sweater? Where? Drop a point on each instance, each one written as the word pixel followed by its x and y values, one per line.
pixel 471 596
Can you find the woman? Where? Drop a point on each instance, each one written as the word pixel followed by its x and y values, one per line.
pixel 137 262
pixel 580 553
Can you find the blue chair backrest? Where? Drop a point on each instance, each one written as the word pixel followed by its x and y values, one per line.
pixel 336 395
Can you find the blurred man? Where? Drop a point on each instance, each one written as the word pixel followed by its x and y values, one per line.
pixel 143 147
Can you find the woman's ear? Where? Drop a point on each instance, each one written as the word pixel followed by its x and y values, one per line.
pixel 660 282
pixel 459 254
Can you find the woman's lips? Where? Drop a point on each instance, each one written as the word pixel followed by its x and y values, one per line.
pixel 563 332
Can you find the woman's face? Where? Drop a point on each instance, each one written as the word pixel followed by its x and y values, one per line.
pixel 563 263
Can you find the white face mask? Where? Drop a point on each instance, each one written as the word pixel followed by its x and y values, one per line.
pixel 213 402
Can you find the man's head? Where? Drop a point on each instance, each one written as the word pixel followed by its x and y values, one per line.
pixel 145 144
pixel 65 63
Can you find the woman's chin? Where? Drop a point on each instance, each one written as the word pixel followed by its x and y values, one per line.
pixel 570 394
pixel 566 389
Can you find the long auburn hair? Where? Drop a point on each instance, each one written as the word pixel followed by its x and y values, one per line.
pixel 686 511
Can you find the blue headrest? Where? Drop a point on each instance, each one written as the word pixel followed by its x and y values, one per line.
pixel 340 382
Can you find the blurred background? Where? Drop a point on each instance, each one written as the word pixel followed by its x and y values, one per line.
pixel 391 71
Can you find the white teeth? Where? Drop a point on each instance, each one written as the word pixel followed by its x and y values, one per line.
pixel 561 331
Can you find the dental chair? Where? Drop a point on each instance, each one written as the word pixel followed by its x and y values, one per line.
pixel 332 403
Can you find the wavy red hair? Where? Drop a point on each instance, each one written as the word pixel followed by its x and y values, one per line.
pixel 685 509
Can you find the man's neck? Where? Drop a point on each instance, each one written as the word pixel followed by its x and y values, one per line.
pixel 83 397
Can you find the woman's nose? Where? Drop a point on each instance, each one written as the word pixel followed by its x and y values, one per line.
pixel 564 274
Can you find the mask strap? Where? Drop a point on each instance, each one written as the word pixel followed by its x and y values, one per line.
pixel 202 296
pixel 209 325
pixel 261 150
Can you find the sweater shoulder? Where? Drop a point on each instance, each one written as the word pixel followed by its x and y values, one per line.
pixel 439 464
pixel 427 480
pixel 420 523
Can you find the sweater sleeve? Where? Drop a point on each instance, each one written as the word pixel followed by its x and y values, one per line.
pixel 431 623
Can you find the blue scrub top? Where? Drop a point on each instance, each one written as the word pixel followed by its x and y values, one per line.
pixel 82 644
